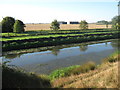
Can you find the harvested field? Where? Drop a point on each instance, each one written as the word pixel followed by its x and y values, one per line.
pixel 62 26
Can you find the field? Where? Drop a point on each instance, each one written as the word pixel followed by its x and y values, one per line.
pixel 30 27
pixel 32 39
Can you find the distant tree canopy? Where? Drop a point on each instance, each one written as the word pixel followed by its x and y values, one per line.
pixel 116 22
pixel 103 22
pixel 7 24
pixel 55 25
pixel 83 25
pixel 19 26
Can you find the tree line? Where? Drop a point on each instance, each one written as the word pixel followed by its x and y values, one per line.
pixel 55 25
pixel 84 25
pixel 9 24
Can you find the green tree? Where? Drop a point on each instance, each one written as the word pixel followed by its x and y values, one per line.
pixel 116 22
pixel 55 25
pixel 83 25
pixel 7 24
pixel 19 26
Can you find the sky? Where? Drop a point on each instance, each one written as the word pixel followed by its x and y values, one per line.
pixel 45 11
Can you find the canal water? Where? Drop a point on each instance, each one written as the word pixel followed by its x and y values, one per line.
pixel 44 62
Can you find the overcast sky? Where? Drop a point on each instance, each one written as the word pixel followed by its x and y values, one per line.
pixel 45 11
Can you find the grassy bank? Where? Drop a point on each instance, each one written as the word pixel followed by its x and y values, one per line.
pixel 103 76
pixel 52 48
pixel 88 75
pixel 53 38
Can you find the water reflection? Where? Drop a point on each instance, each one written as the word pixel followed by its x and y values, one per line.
pixel 106 43
pixel 63 56
pixel 83 47
pixel 55 51
pixel 12 56
pixel 116 44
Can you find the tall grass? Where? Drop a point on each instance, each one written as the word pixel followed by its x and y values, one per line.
pixel 72 70
pixel 84 68
pixel 112 58
pixel 104 75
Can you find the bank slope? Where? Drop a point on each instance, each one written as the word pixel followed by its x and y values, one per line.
pixel 105 76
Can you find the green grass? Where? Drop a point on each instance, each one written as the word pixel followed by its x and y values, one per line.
pixel 72 70
pixel 35 39
pixel 48 35
pixel 62 72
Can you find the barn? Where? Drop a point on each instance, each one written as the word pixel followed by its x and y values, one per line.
pixel 74 22
pixel 62 22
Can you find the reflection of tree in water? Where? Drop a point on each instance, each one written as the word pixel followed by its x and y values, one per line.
pixel 106 43
pixel 116 44
pixel 83 47
pixel 56 50
pixel 12 56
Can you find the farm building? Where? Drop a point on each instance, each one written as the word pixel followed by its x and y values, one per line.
pixel 74 22
pixel 62 22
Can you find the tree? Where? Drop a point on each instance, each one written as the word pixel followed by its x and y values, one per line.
pixel 55 25
pixel 106 23
pixel 83 25
pixel 19 26
pixel 7 24
pixel 116 22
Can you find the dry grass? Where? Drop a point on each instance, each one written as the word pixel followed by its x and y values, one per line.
pixel 105 77
pixel 62 26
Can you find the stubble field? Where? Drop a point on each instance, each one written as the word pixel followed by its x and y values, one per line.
pixel 30 27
